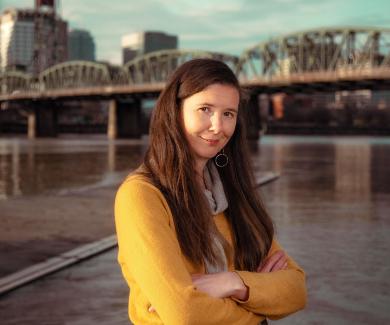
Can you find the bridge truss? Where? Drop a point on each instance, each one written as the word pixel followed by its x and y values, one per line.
pixel 158 66
pixel 14 81
pixel 333 50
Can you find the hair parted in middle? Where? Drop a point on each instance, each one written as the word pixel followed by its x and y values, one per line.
pixel 169 165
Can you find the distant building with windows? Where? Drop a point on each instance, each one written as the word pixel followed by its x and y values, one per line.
pixel 81 45
pixel 140 43
pixel 31 40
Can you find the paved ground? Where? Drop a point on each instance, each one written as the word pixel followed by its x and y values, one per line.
pixel 88 293
pixel 39 227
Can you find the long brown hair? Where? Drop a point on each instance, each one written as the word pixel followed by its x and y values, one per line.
pixel 169 165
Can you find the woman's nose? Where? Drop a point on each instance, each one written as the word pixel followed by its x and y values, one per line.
pixel 216 123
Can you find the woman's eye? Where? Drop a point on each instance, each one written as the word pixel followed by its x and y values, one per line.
pixel 205 109
pixel 229 114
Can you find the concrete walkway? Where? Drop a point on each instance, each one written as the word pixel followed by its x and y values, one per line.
pixel 92 292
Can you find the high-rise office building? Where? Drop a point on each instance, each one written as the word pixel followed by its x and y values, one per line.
pixel 81 45
pixel 140 43
pixel 32 40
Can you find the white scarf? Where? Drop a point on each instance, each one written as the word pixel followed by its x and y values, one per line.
pixel 214 190
pixel 216 197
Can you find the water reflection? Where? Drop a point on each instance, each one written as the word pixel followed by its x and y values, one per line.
pixel 111 156
pixel 16 170
pixel 341 170
pixel 353 171
pixel 344 168
pixel 57 165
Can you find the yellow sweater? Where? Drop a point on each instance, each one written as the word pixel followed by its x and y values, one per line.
pixel 159 275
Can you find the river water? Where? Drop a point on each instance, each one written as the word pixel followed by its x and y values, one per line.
pixel 330 207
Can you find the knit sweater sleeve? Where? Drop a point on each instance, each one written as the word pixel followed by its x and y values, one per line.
pixel 151 254
pixel 275 294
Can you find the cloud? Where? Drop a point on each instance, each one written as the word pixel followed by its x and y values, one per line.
pixel 229 26
pixel 13 3
pixel 201 8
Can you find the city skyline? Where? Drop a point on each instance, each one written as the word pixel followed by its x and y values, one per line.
pixel 229 26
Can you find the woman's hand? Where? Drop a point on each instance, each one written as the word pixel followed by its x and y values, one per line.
pixel 277 261
pixel 221 285
pixel 229 284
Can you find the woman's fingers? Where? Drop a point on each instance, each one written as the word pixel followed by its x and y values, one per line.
pixel 268 263
pixel 280 264
pixel 220 284
pixel 275 262
pixel 196 276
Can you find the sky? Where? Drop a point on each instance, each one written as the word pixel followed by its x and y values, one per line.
pixel 229 26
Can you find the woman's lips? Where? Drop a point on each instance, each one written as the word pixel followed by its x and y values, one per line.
pixel 211 141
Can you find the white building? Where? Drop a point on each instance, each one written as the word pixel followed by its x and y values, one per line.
pixel 18 40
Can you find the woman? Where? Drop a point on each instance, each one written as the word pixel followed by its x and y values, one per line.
pixel 196 245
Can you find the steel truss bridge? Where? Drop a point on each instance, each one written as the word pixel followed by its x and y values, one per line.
pixel 319 59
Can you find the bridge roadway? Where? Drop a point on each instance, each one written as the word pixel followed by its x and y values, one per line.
pixel 375 79
pixel 96 92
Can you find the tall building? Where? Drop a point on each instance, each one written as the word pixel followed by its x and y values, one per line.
pixel 32 39
pixel 81 45
pixel 140 43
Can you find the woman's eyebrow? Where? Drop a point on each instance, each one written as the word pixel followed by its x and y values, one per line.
pixel 212 105
pixel 206 104
pixel 232 110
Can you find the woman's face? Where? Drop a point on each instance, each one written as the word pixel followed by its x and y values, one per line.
pixel 209 119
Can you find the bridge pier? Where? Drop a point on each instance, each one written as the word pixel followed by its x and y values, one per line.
pixel 253 123
pixel 42 121
pixel 124 119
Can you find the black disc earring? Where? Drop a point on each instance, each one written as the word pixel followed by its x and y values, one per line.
pixel 221 160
